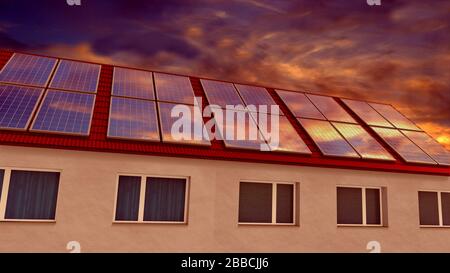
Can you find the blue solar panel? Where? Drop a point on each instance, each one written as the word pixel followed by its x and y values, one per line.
pixel 133 83
pixel 221 93
pixel 65 112
pixel 133 119
pixel 76 76
pixel 28 70
pixel 173 88
pixel 257 96
pixel 17 104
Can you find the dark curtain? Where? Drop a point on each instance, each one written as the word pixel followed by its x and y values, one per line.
pixel 445 199
pixel 285 203
pixel 2 174
pixel 255 202
pixel 32 195
pixel 428 208
pixel 127 208
pixel 373 207
pixel 349 205
pixel 164 199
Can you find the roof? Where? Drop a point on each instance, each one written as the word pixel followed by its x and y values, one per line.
pixel 97 138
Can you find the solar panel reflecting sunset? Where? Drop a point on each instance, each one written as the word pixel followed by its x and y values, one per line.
pixel 76 76
pixel 329 141
pixel 221 93
pixel 256 96
pixel 394 117
pixel 133 83
pixel 299 105
pixel 367 113
pixel 430 146
pixel 172 88
pixel 362 141
pixel 330 108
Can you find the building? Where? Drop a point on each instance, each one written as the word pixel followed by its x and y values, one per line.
pixel 86 155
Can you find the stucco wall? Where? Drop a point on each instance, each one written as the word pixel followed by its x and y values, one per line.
pixel 87 192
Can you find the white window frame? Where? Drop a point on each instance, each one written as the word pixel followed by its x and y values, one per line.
pixel 142 199
pixel 441 216
pixel 5 191
pixel 274 203
pixel 364 206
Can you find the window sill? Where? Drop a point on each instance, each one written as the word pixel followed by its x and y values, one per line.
pixel 151 222
pixel 361 225
pixel 269 224
pixel 433 226
pixel 27 221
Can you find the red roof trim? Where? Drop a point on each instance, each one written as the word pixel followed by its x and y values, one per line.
pixel 97 140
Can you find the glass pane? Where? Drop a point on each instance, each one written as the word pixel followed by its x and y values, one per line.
pixel 300 105
pixel 362 141
pixel 2 174
pixel 257 96
pixel 175 130
pixel 65 112
pixel 221 93
pixel 255 202
pixel 285 203
pixel 28 70
pixel 330 108
pixel 127 208
pixel 133 83
pixel 367 113
pixel 428 208
pixel 171 88
pixel 165 199
pixel 445 199
pixel 17 104
pixel 403 146
pixel 373 207
pixel 394 117
pixel 77 76
pixel 329 141
pixel 430 146
pixel 133 119
pixel 349 205
pixel 32 195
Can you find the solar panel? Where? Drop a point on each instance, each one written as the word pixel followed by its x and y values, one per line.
pixel 394 117
pixel 430 146
pixel 171 88
pixel 330 108
pixel 17 104
pixel 65 112
pixel 257 96
pixel 329 141
pixel 133 119
pixel 403 146
pixel 28 70
pixel 221 93
pixel 299 105
pixel 362 141
pixel 171 128
pixel 288 138
pixel 133 83
pixel 240 131
pixel 77 76
pixel 367 113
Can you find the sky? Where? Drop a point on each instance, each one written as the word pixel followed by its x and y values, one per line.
pixel 398 52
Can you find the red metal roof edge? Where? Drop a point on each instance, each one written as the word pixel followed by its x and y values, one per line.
pixel 97 141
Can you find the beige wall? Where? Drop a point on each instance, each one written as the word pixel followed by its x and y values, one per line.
pixel 87 192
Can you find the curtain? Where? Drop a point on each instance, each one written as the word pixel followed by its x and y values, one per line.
pixel 349 205
pixel 285 203
pixel 32 195
pixel 2 173
pixel 127 208
pixel 255 202
pixel 164 199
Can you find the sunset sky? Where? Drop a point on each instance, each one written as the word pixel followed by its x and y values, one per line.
pixel 397 53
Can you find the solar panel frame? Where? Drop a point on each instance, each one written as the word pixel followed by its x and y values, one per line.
pixel 219 98
pixel 330 108
pixel 155 138
pixel 131 76
pixel 44 103
pixel 64 77
pixel 162 115
pixel 362 141
pixel 369 115
pixel 341 149
pixel 304 107
pixel 381 109
pixel 30 82
pixel 430 146
pixel 165 94
pixel 407 150
pixel 14 115
pixel 257 96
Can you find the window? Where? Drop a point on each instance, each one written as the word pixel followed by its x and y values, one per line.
pixel 434 208
pixel 359 206
pixel 151 199
pixel 28 195
pixel 266 203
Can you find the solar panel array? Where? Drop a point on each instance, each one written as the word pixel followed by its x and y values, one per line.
pixel 28 70
pixel 401 134
pixel 44 94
